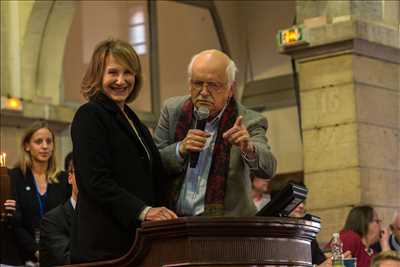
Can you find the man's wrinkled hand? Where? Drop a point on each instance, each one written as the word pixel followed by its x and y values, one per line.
pixel 239 136
pixel 194 141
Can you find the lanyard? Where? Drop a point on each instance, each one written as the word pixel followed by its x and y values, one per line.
pixel 41 199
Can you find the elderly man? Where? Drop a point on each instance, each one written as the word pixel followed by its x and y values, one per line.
pixel 231 146
pixel 391 235
pixel 394 239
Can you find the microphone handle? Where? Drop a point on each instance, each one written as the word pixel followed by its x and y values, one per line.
pixel 194 156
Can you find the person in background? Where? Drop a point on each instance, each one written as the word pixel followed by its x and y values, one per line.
pixel 386 259
pixel 68 163
pixel 361 230
pixel 394 239
pixel 39 187
pixel 55 228
pixel 259 192
pixel 317 256
pixel 231 148
pixel 118 168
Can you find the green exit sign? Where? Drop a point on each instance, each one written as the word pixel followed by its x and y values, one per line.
pixel 291 37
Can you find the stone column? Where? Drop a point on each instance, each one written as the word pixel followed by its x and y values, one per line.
pixel 10 50
pixel 350 96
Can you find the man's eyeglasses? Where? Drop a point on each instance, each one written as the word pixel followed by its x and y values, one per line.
pixel 211 86
pixel 394 228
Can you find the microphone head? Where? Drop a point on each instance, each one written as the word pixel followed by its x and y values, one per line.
pixel 202 112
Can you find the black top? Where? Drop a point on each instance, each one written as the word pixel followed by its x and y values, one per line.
pixel 9 249
pixel 318 256
pixel 28 213
pixel 55 234
pixel 115 177
pixel 393 243
pixel 9 252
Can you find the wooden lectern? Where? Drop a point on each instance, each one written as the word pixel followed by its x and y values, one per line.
pixel 222 241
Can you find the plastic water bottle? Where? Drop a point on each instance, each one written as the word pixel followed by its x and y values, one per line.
pixel 337 250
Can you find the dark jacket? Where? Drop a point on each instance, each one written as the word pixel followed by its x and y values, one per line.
pixel 116 180
pixel 9 253
pixel 317 255
pixel 55 234
pixel 28 212
pixel 393 243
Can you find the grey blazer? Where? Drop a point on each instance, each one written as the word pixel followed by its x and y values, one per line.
pixel 238 200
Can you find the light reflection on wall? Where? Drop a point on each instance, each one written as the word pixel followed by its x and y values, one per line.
pixel 137 30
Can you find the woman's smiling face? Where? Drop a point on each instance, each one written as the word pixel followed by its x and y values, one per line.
pixel 118 81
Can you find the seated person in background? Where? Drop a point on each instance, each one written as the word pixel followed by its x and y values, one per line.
pixel 361 230
pixel 68 163
pixel 55 227
pixel 230 147
pixel 394 237
pixel 386 259
pixel 318 257
pixel 259 192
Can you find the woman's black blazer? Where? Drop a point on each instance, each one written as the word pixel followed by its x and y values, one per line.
pixel 115 177
pixel 27 217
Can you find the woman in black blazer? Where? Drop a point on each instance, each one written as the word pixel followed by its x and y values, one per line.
pixel 117 166
pixel 38 187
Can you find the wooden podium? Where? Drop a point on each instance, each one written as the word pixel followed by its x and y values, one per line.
pixel 224 241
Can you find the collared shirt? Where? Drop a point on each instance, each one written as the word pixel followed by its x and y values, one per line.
pixel 73 202
pixel 262 201
pixel 191 197
pixel 394 244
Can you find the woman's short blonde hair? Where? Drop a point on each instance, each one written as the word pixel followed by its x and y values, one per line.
pixel 385 256
pixel 25 161
pixel 124 54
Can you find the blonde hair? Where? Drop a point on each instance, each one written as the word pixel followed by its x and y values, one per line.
pixel 384 256
pixel 25 161
pixel 124 54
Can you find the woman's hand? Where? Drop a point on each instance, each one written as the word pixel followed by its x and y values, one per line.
pixel 384 239
pixel 159 214
pixel 326 263
pixel 347 255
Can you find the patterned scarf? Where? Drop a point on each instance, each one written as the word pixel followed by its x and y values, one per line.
pixel 215 192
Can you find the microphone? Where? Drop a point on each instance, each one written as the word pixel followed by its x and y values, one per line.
pixel 202 115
